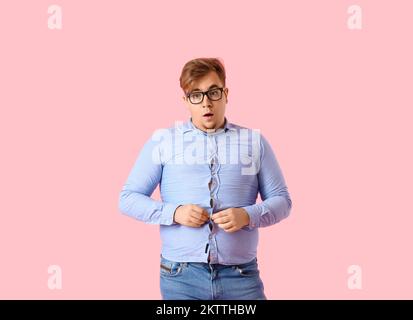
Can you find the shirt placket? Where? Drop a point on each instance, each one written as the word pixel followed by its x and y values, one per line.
pixel 212 152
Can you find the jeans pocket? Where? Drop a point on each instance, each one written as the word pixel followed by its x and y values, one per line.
pixel 248 269
pixel 171 268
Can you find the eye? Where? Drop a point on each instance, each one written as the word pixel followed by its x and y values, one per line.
pixel 196 95
pixel 214 93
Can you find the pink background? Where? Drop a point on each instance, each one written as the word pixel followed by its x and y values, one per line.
pixel 77 105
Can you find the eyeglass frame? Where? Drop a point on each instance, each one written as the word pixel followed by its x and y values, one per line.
pixel 205 93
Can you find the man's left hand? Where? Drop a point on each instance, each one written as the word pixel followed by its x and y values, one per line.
pixel 231 219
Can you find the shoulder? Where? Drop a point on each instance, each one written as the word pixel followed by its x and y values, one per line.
pixel 166 135
pixel 254 135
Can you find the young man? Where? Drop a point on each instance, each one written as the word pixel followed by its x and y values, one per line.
pixel 210 172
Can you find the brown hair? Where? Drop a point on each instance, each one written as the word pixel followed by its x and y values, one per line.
pixel 197 68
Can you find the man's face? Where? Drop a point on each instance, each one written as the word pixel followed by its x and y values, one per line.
pixel 208 106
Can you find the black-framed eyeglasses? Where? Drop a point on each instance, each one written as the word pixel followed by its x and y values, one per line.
pixel 197 97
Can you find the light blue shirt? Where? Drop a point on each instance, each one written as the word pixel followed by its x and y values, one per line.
pixel 214 170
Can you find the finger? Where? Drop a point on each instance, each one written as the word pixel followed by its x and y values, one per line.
pixel 196 220
pixel 197 209
pixel 225 226
pixel 232 229
pixel 193 225
pixel 218 215
pixel 201 216
pixel 204 217
pixel 221 220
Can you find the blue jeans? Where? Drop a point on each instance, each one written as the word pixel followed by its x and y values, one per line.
pixel 204 281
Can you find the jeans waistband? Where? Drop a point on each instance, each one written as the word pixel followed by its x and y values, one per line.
pixel 215 265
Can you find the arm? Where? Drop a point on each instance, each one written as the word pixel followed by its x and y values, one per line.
pixel 135 197
pixel 276 204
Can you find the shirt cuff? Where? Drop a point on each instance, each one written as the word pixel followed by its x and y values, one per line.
pixel 168 210
pixel 254 212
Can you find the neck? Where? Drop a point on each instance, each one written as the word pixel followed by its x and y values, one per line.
pixel 210 129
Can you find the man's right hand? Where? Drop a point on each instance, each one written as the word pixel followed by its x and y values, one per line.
pixel 191 215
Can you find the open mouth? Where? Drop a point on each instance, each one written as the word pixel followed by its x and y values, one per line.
pixel 208 115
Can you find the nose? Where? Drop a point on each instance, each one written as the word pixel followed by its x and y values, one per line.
pixel 206 102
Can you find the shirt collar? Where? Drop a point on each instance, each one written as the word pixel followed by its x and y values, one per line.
pixel 189 126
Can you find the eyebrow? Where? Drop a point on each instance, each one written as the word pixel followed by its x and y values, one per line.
pixel 211 86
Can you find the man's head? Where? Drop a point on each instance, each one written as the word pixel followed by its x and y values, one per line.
pixel 203 83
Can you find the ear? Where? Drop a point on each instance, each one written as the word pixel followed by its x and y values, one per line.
pixel 185 102
pixel 226 94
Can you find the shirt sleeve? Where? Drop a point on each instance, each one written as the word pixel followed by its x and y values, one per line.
pixel 276 204
pixel 135 197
